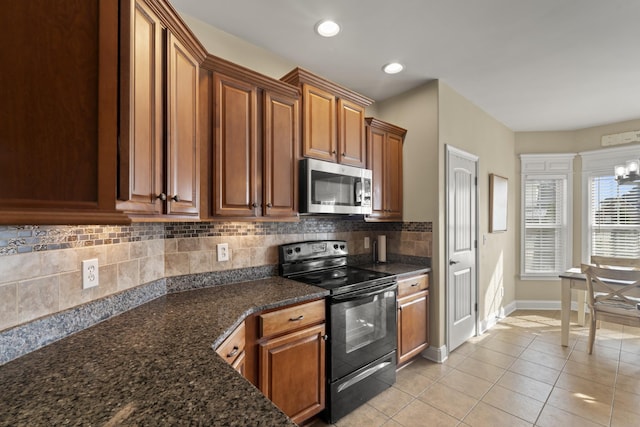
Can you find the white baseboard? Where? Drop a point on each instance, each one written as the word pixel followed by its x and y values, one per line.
pixel 493 318
pixel 542 305
pixel 436 354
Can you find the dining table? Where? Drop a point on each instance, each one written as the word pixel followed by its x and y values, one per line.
pixel 576 280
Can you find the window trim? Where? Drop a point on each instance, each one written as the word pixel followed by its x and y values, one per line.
pixel 598 163
pixel 549 166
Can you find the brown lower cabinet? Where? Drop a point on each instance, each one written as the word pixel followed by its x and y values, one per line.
pixel 285 357
pixel 413 316
pixel 232 349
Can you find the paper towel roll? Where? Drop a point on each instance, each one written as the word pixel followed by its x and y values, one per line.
pixel 382 248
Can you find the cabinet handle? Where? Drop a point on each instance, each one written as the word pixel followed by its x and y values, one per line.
pixel 413 285
pixel 161 196
pixel 234 351
pixel 296 319
pixel 176 198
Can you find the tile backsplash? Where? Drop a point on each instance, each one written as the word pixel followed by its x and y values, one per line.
pixel 40 265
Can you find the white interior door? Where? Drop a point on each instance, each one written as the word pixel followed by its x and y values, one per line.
pixel 461 246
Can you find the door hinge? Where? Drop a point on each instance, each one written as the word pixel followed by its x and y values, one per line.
pixel 475 307
pixel 475 244
pixel 476 181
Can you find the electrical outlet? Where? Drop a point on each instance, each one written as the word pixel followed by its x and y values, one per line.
pixel 367 242
pixel 223 251
pixel 90 273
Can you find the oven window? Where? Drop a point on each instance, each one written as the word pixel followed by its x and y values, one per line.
pixel 365 324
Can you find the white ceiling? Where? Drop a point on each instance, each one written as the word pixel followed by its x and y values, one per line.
pixel 531 64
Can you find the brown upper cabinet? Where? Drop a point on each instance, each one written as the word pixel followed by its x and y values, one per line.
pixel 159 169
pixel 59 109
pixel 384 158
pixel 255 138
pixel 332 119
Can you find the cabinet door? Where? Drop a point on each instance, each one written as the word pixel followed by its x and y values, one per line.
pixel 413 315
pixel 292 372
pixel 183 148
pixel 281 138
pixel 141 113
pixel 376 162
pixel 319 123
pixel 235 148
pixel 393 177
pixel 59 110
pixel 351 136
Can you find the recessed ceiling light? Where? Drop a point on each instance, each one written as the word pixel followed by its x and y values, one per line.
pixel 327 28
pixel 393 68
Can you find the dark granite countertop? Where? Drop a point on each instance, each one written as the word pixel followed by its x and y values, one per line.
pixel 153 365
pixel 398 269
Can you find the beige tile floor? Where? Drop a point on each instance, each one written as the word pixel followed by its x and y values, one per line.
pixel 517 374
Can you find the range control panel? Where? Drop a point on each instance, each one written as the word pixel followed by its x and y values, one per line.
pixel 303 251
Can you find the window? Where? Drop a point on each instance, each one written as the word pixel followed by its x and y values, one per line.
pixel 614 218
pixel 546 235
pixel 611 219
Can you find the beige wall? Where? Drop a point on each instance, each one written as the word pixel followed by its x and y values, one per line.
pixel 467 127
pixel 576 141
pixel 435 115
pixel 231 48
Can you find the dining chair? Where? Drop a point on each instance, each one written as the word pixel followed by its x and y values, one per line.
pixel 613 295
pixel 601 261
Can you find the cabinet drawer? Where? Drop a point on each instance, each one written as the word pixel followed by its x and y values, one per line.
pixel 233 346
pixel 412 284
pixel 291 318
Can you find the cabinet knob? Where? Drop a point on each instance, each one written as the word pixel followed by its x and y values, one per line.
pixel 344 154
pixel 161 196
pixel 333 152
pixel 269 205
pixel 325 337
pixel 254 204
pixel 175 198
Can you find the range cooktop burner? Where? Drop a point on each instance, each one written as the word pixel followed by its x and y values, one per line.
pixel 342 279
pixel 323 263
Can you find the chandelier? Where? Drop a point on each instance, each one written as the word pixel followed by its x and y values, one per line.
pixel 628 174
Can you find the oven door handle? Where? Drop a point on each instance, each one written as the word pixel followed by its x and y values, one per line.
pixel 359 295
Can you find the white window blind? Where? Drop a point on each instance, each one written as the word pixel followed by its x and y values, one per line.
pixel 614 218
pixel 545 226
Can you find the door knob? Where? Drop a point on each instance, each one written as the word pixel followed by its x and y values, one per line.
pixel 452 262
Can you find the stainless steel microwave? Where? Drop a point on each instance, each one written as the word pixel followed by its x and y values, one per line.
pixel 333 188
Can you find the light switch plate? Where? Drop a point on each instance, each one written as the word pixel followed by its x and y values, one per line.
pixel 90 273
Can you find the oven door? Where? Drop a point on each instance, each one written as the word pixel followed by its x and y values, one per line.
pixel 362 328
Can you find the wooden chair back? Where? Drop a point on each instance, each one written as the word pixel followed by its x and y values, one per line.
pixel 601 261
pixel 613 285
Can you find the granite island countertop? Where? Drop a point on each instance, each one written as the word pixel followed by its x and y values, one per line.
pixel 397 269
pixel 153 365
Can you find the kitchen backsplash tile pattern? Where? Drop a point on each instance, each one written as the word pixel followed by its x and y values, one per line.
pixel 40 265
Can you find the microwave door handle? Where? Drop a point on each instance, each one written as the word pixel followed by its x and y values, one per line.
pixel 352 297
